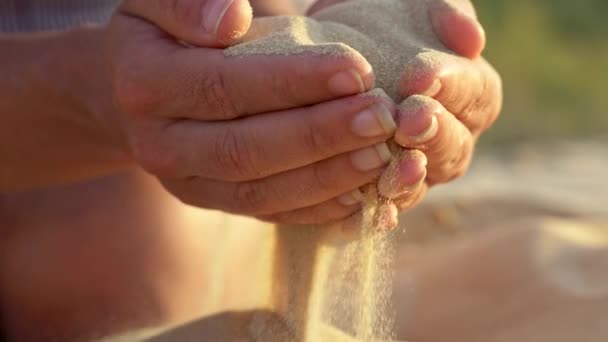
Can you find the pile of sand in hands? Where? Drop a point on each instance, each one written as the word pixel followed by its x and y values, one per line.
pixel 394 36
pixel 320 285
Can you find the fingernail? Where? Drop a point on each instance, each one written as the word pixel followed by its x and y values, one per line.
pixel 404 174
pixel 418 122
pixel 433 89
pixel 371 158
pixel 347 82
pixel 213 14
pixel 351 198
pixel 428 134
pixel 412 169
pixel 374 121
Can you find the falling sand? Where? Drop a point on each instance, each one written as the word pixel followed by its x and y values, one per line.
pixel 324 288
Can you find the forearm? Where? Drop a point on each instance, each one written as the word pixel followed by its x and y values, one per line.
pixel 52 127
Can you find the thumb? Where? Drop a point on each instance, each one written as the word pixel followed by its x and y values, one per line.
pixel 456 25
pixel 207 23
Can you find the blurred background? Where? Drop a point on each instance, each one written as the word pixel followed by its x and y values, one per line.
pixel 517 250
pixel 553 57
pixel 546 155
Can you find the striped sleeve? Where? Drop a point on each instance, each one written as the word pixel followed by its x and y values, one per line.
pixel 44 15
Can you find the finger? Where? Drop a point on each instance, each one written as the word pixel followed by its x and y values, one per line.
pixel 406 171
pixel 174 82
pixel 448 145
pixel 456 25
pixel 411 200
pixel 471 90
pixel 263 145
pixel 208 23
pixel 324 213
pixel 304 187
pixel 256 147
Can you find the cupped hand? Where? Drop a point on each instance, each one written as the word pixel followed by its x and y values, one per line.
pixel 283 138
pixel 447 104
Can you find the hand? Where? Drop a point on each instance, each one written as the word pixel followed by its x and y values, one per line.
pixel 454 21
pixel 451 103
pixel 448 104
pixel 266 136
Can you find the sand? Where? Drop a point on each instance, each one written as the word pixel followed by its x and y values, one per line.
pixel 321 283
pixel 473 261
pixel 388 33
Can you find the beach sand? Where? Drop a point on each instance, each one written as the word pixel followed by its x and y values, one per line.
pixel 514 251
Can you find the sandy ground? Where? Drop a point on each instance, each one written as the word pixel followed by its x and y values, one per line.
pixel 566 180
pixel 515 251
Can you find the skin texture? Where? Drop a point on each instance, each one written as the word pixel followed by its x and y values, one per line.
pixel 225 150
pixel 92 147
pixel 55 104
pixel 461 97
pixel 165 126
pixel 134 103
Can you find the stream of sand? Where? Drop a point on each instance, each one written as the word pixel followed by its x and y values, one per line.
pixel 325 290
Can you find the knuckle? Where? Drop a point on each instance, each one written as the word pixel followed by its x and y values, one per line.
pixel 249 198
pixel 483 108
pixel 323 177
pixel 215 95
pixel 286 87
pixel 132 96
pixel 470 114
pixel 453 161
pixel 318 139
pixel 459 164
pixel 151 157
pixel 234 156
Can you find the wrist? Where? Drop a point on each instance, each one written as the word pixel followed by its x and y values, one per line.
pixel 77 70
